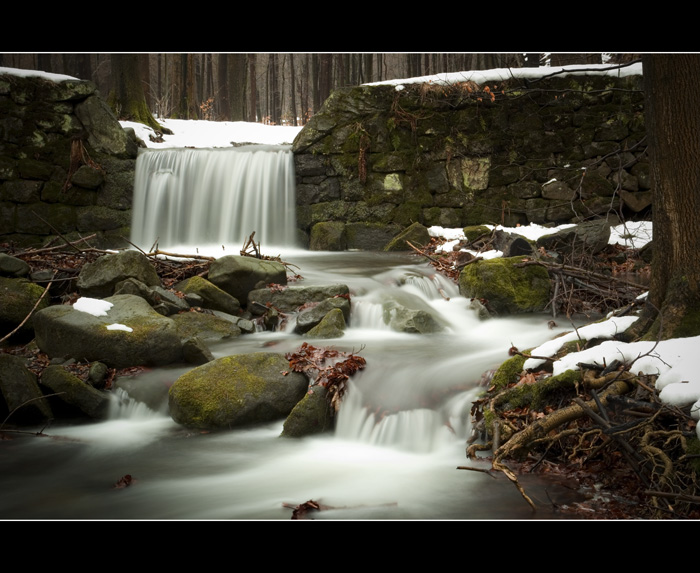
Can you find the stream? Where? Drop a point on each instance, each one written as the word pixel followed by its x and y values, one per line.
pixel 404 467
pixel 402 428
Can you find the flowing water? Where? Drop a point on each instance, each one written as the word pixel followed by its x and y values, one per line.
pixel 400 436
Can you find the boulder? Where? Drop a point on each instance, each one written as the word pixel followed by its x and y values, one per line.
pixel 194 351
pixel 406 312
pixel 332 325
pixel 238 275
pixel 99 279
pixel 289 299
pixel 137 334
pixel 162 300
pixel 211 295
pixel 311 415
pixel 73 395
pixel 416 234
pixel 207 327
pixel 18 297
pixel 312 316
pixel 22 396
pixel 507 289
pixel 328 236
pixel 12 266
pixel 235 391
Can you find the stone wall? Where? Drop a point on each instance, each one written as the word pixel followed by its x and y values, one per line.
pixel 66 164
pixel 376 158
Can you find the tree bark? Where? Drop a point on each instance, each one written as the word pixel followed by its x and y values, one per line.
pixel 237 78
pixel 128 99
pixel 672 117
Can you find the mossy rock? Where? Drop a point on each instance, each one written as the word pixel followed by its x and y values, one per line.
pixel 328 236
pixel 74 397
pixel 20 394
pixel 312 415
pixel 206 327
pixel 98 279
pixel 508 289
pixel 416 234
pixel 213 297
pixel 473 232
pixel 235 391
pixel 153 339
pixel 331 326
pixel 17 299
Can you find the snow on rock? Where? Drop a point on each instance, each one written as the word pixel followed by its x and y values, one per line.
pixel 93 306
pixel 120 327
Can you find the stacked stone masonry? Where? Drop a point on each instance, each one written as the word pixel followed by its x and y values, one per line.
pixel 564 149
pixel 66 164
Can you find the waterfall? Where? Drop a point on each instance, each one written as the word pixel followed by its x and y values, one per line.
pixel 214 196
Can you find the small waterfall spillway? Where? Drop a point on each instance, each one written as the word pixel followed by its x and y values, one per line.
pixel 402 427
pixel 214 196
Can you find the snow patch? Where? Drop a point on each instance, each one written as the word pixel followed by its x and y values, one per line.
pixel 93 306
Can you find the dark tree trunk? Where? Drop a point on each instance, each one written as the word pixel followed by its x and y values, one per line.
pixel 293 81
pixel 672 117
pixel 223 103
pixel 253 113
pixel 128 99
pixel 237 86
pixel 324 77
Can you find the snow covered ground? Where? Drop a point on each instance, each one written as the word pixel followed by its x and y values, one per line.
pixel 673 361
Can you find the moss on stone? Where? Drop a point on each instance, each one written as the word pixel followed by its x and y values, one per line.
pixel 538 395
pixel 236 390
pixel 507 288
pixel 508 372
pixel 473 232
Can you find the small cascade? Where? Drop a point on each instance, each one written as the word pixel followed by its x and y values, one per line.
pixel 123 406
pixel 214 196
pixel 419 430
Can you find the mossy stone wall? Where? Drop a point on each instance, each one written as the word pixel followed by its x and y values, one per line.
pixel 562 149
pixel 66 164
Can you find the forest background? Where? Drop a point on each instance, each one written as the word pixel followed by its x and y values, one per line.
pixel 270 88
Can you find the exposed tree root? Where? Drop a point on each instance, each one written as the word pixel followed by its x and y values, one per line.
pixel 612 418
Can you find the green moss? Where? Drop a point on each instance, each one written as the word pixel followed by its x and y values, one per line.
pixel 543 393
pixel 508 372
pixel 473 232
pixel 208 395
pixel 508 289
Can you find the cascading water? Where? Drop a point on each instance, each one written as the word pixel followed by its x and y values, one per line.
pixel 401 429
pixel 214 196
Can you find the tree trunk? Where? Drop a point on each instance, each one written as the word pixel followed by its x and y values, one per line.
pixel 237 86
pixel 128 99
pixel 293 82
pixel 223 103
pixel 253 114
pixel 672 117
pixel 324 78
